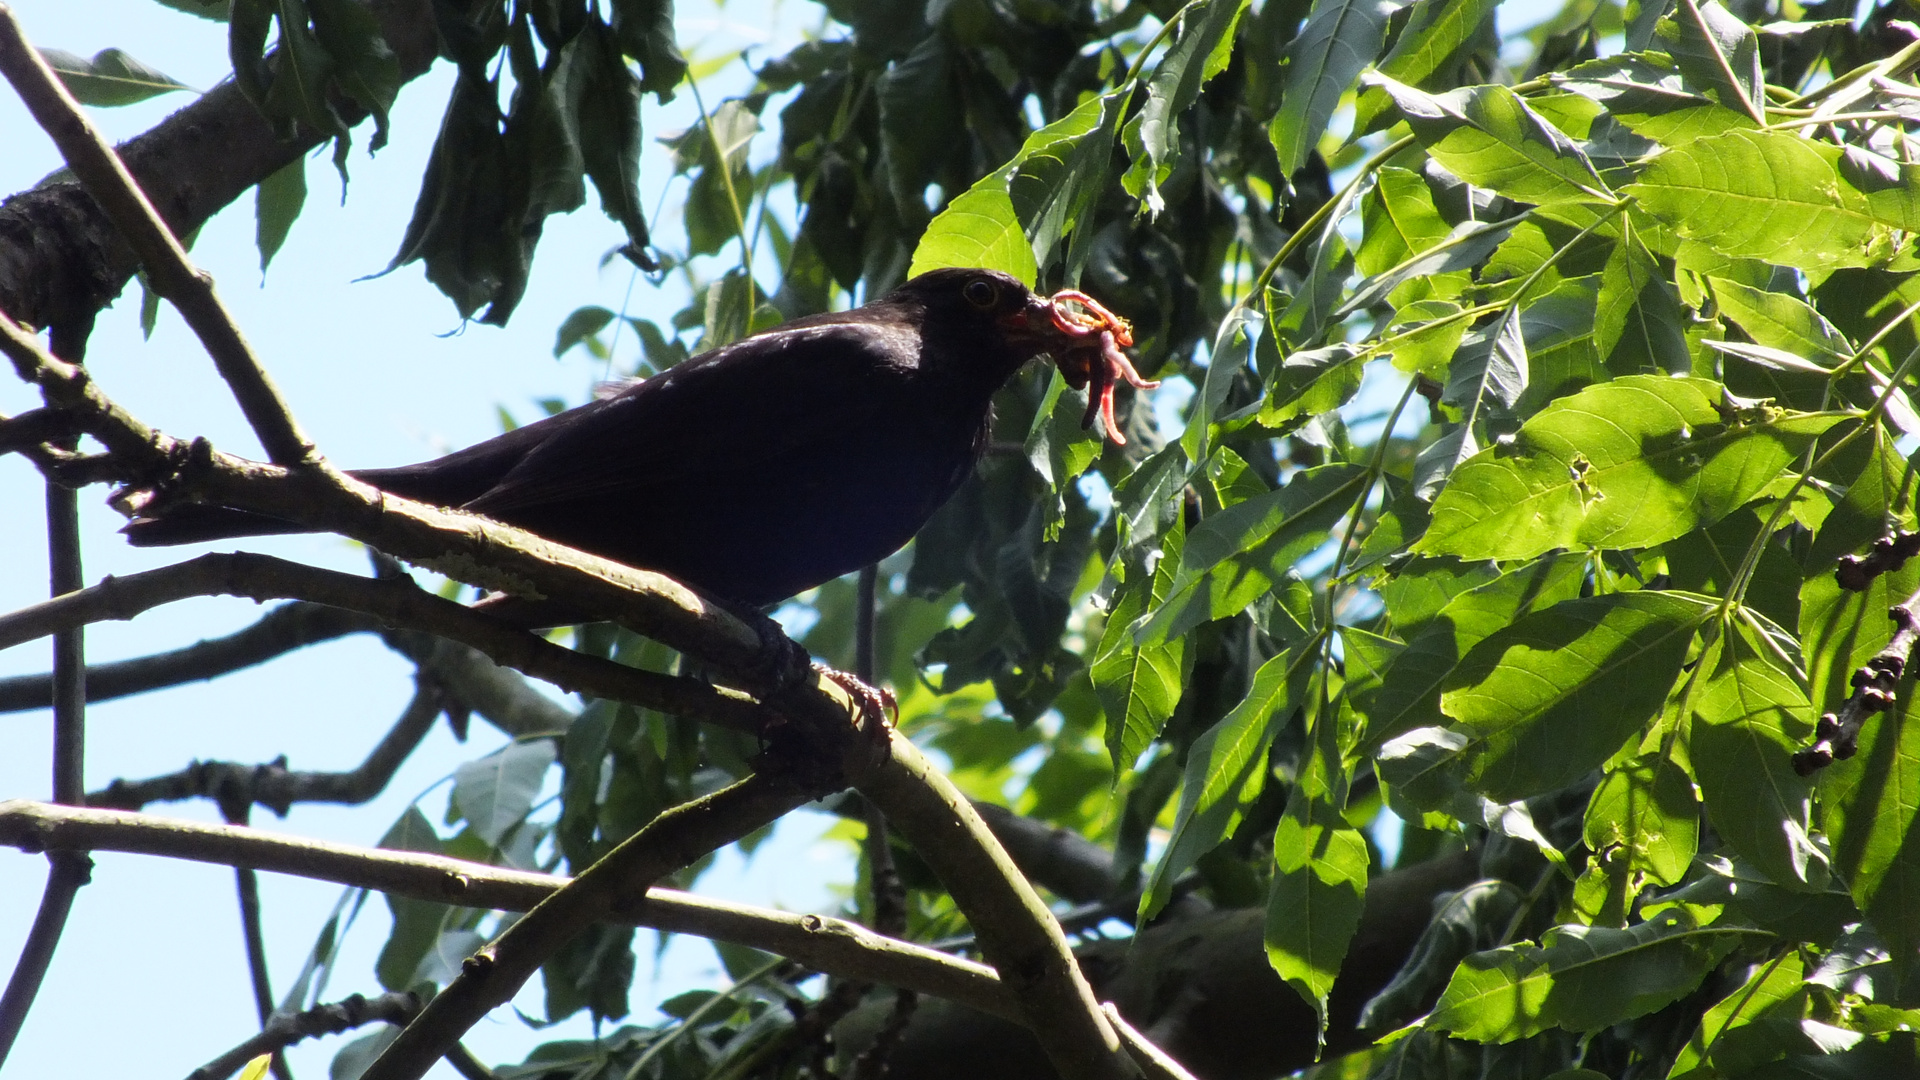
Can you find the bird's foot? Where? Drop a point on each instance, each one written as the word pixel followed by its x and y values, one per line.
pixel 1096 357
pixel 878 710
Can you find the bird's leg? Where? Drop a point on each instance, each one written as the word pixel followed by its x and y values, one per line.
pixel 878 708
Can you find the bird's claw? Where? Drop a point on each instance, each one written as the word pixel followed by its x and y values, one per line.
pixel 1095 357
pixel 878 710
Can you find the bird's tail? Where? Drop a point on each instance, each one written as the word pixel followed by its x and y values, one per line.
pixel 193 523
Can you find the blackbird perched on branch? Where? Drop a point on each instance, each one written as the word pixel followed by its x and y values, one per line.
pixel 765 467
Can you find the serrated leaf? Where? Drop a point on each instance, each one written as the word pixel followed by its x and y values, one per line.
pixel 977 229
pixel 1313 907
pixel 1236 555
pixel 1748 719
pixel 1556 694
pixel 1489 137
pixel 494 793
pixel 1340 38
pixel 1059 175
pixel 111 78
pixel 1219 764
pixel 1775 196
pixel 1580 978
pixel 1625 464
pixel 277 203
pixel 1199 53
pixel 1139 686
pixel 1436 33
pixel 1717 49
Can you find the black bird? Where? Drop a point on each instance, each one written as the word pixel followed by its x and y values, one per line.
pixel 765 467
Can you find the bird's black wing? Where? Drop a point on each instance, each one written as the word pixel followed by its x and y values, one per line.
pixel 726 413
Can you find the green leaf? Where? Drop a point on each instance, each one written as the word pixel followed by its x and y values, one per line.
pixel 1637 318
pixel 1340 38
pixel 1841 630
pixel 920 109
pixel 1059 175
pixel 977 229
pixel 1489 136
pixel 277 203
pixel 1307 382
pixel 580 325
pixel 1556 694
pixel 494 793
pixel 1870 807
pixel 715 153
pixel 1421 772
pixel 1748 719
pixel 1741 1032
pixel 1234 556
pixel 1200 52
pixel 111 78
pixel 644 29
pixel 1646 93
pixel 1410 694
pixel 1643 817
pixel 1437 32
pixel 1775 196
pixel 1783 322
pixel 363 64
pixel 210 10
pixel 1319 886
pixel 1219 764
pixel 1138 685
pixel 1625 464
pixel 602 98
pixel 1580 978
pixel 1716 49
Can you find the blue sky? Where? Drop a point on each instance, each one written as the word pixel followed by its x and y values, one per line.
pixel 150 978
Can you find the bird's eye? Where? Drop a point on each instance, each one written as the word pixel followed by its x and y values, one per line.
pixel 981 293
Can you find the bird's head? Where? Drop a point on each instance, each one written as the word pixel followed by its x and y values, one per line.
pixel 1085 340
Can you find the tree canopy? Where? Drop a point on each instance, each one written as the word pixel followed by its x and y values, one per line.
pixel 1484 656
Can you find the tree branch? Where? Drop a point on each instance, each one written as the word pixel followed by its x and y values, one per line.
pixel 286 1029
pixel 677 837
pixel 1837 735
pixel 278 632
pixel 66 873
pixel 394 601
pixel 1017 933
pixel 236 787
pixel 60 258
pixel 820 942
pixel 172 274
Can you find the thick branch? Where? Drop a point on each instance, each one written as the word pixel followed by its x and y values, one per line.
pixel 278 632
pixel 491 977
pixel 61 259
pixel 286 1029
pixel 394 601
pixel 824 944
pixel 1017 933
pixel 236 787
pixel 168 268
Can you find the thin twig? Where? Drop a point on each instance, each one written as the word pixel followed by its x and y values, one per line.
pixel 1836 736
pixel 173 276
pixel 824 944
pixel 278 632
pixel 237 787
pixel 66 873
pixel 396 602
pixel 286 1029
pixel 490 977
